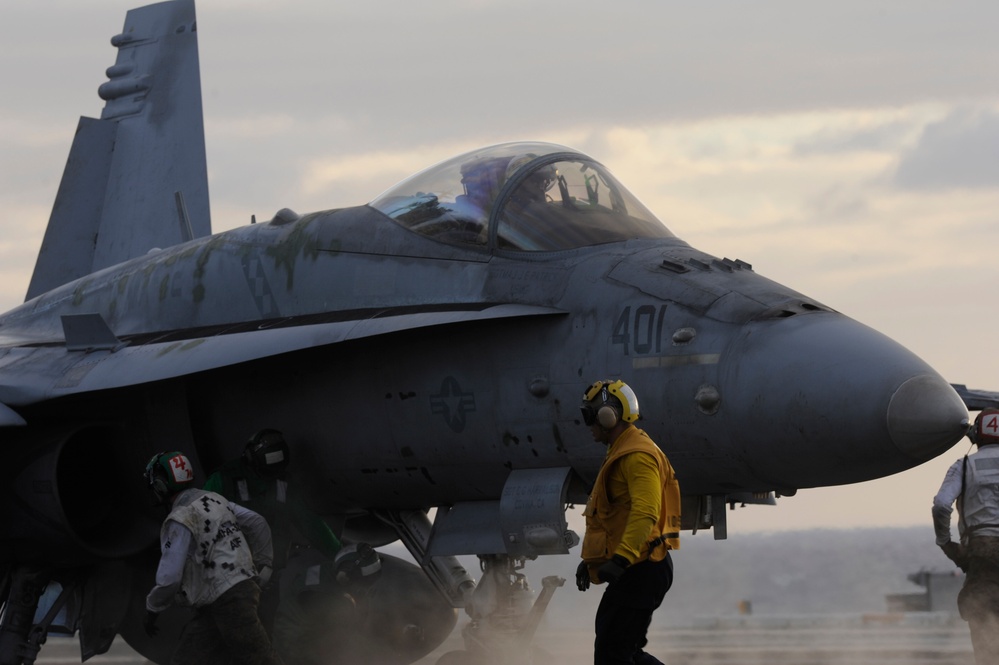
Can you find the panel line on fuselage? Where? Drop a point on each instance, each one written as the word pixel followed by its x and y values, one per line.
pixel 652 362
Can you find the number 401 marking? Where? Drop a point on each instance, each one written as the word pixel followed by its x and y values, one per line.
pixel 643 330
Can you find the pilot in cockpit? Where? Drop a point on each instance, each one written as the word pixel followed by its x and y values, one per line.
pixel 528 209
pixel 534 188
pixel 482 180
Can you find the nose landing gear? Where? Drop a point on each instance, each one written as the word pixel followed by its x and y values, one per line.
pixel 503 618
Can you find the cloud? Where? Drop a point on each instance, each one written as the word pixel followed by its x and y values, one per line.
pixel 960 151
pixel 454 70
pixel 871 138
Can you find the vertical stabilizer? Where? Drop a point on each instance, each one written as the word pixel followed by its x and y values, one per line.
pixel 132 174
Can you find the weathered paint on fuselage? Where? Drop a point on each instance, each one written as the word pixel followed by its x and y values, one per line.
pixel 747 385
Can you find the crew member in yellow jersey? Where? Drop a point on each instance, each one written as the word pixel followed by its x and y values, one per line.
pixel 632 522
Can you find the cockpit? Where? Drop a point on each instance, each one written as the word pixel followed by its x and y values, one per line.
pixel 531 197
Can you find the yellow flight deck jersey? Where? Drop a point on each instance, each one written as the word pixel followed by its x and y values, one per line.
pixel 635 501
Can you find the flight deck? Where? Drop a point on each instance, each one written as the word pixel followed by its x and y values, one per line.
pixel 926 638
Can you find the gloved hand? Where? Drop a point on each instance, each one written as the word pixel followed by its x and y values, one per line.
pixel 264 573
pixel 955 552
pixel 149 623
pixel 582 576
pixel 611 571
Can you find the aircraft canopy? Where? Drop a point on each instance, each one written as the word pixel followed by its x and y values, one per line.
pixel 535 197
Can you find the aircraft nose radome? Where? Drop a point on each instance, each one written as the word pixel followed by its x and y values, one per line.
pixel 822 400
pixel 926 417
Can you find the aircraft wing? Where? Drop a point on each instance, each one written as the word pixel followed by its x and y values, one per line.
pixel 29 374
pixel 976 400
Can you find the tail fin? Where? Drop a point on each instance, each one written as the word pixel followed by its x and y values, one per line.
pixel 136 178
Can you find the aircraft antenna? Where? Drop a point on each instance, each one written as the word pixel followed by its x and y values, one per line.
pixel 186 232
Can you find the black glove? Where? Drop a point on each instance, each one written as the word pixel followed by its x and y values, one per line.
pixel 582 576
pixel 955 552
pixel 611 571
pixel 149 623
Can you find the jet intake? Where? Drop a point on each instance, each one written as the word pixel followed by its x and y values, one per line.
pixel 73 496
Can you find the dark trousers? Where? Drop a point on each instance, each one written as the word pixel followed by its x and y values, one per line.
pixel 625 613
pixel 227 631
pixel 979 598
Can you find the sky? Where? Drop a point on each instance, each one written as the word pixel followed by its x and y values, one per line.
pixel 848 150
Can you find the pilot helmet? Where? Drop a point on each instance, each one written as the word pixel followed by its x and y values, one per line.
pixel 267 452
pixel 608 402
pixel 168 473
pixel 985 430
pixel 482 179
pixel 539 180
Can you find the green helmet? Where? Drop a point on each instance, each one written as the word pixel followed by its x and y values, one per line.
pixel 169 473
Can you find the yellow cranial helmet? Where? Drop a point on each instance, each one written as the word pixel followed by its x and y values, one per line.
pixel 607 402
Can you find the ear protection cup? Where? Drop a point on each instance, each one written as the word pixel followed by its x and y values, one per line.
pixel 159 487
pixel 607 416
pixel 607 403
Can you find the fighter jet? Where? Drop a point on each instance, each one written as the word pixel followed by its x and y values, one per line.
pixel 424 354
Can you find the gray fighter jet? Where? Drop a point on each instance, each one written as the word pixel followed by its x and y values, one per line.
pixel 424 355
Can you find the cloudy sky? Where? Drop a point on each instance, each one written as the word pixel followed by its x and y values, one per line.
pixel 849 150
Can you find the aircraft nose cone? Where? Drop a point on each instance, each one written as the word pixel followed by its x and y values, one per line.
pixel 830 401
pixel 925 417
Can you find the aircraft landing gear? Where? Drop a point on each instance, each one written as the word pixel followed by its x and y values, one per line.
pixel 503 620
pixel 20 639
